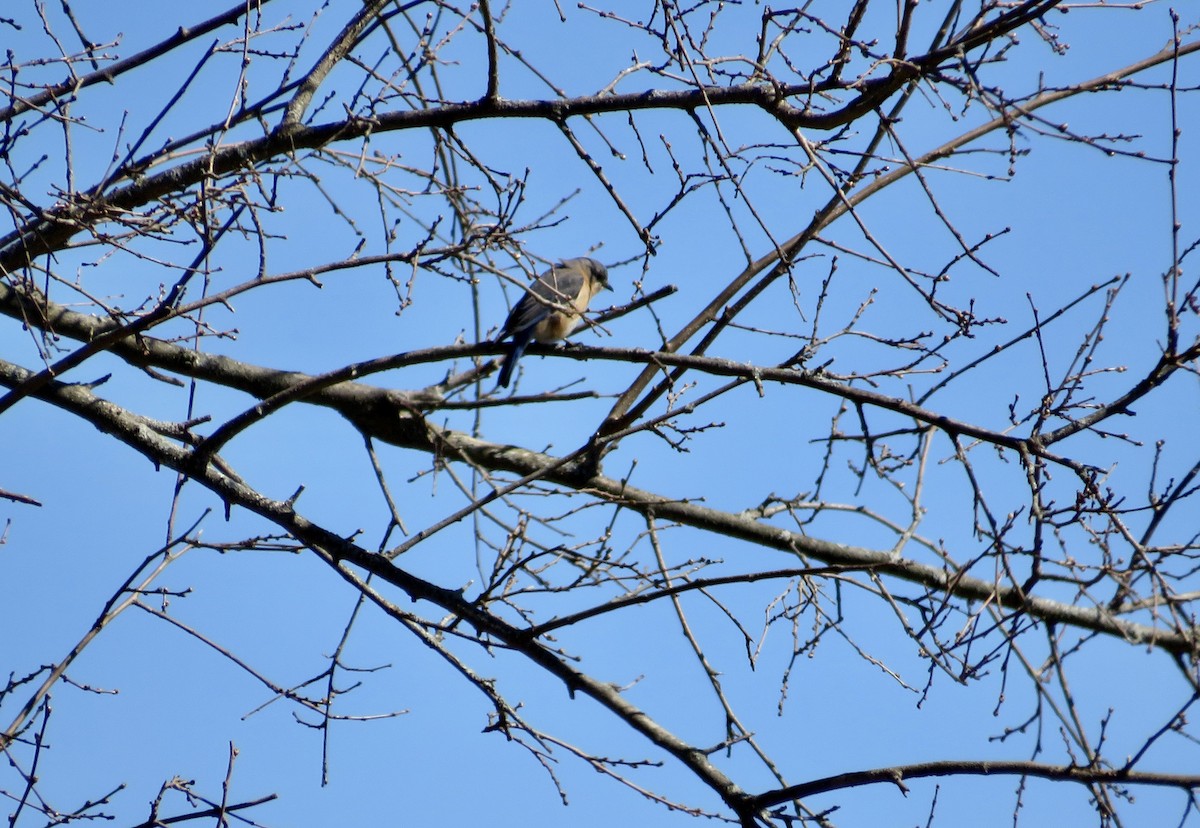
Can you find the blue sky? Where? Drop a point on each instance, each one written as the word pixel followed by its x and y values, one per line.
pixel 1074 218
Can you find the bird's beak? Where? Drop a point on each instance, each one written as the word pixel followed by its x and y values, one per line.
pixel 607 286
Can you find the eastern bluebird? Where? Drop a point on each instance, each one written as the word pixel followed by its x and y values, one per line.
pixel 551 307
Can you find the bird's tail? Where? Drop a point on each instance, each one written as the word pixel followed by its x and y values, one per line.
pixel 510 361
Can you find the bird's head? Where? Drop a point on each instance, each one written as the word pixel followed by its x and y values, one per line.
pixel 596 272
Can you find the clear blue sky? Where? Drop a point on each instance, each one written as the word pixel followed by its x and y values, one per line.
pixel 1076 216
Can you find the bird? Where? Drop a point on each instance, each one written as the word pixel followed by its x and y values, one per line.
pixel 551 307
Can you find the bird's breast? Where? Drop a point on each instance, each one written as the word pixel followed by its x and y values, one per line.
pixel 555 326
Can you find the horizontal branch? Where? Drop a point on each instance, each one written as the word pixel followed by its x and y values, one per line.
pixel 290 386
pixel 218 811
pixel 899 774
pixel 392 416
pixel 52 229
pixel 818 381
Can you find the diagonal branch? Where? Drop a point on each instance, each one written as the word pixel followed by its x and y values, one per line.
pixel 341 554
pixel 142 58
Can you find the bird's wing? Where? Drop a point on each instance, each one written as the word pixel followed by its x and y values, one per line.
pixel 558 287
pixel 562 286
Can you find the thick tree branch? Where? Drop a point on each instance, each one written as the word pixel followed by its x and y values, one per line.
pixel 339 553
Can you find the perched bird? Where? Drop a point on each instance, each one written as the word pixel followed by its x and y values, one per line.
pixel 551 307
